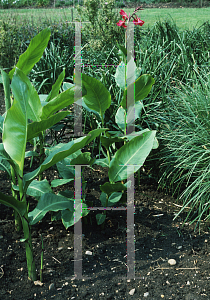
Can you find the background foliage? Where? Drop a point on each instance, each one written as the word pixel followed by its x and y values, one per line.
pixel 5 4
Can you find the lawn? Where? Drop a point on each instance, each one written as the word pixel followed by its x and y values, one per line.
pixel 185 18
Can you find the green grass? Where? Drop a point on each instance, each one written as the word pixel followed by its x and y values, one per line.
pixel 185 18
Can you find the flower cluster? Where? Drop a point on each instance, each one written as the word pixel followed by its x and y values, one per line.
pixel 136 20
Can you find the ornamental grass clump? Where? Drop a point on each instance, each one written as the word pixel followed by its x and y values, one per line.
pixel 185 157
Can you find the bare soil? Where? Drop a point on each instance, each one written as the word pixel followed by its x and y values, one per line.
pixel 158 238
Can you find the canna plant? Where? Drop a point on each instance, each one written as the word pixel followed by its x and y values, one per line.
pixel 27 117
pixel 42 110
pixel 137 145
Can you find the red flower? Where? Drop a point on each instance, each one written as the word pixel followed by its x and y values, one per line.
pixel 125 17
pixel 121 23
pixel 123 14
pixel 136 20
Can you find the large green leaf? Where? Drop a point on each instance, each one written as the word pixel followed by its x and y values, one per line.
pixel 98 97
pixel 59 102
pixel 143 86
pixel 33 53
pixel 155 144
pixel 113 198
pixel 132 135
pixel 49 202
pixel 2 121
pixel 122 51
pixel 110 188
pixel 83 159
pixel 100 218
pixel 102 162
pixel 4 160
pixel 16 121
pixel 64 167
pixel 61 153
pixel 121 112
pixel 107 141
pixel 58 182
pixel 4 165
pixel 10 201
pixel 133 153
pixel 120 73
pixel 6 84
pixel 67 85
pixel 38 188
pixel 68 218
pixel 34 107
pixel 35 128
pixel 56 87
pixel 120 118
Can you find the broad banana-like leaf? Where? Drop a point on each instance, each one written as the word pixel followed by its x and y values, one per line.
pixel 120 118
pixel 6 84
pixel 34 107
pixel 136 133
pixel 38 188
pixel 33 53
pixel 83 159
pixel 64 167
pixel 43 98
pixel 4 160
pixel 113 198
pixel 4 165
pixel 58 182
pixel 56 87
pixel 68 218
pixel 100 218
pixel 20 207
pixel 120 78
pixel 155 144
pixel 133 134
pixel 1 122
pixel 16 121
pixel 143 86
pixel 107 141
pixel 102 162
pixel 98 97
pixel 122 50
pixel 59 102
pixel 110 188
pixel 61 153
pixel 67 85
pixel 31 154
pixel 133 153
pixel 35 128
pixel 49 202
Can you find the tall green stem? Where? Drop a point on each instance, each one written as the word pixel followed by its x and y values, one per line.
pixel 41 153
pixel 27 234
pixel 18 223
pixel 125 60
pixel 42 259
